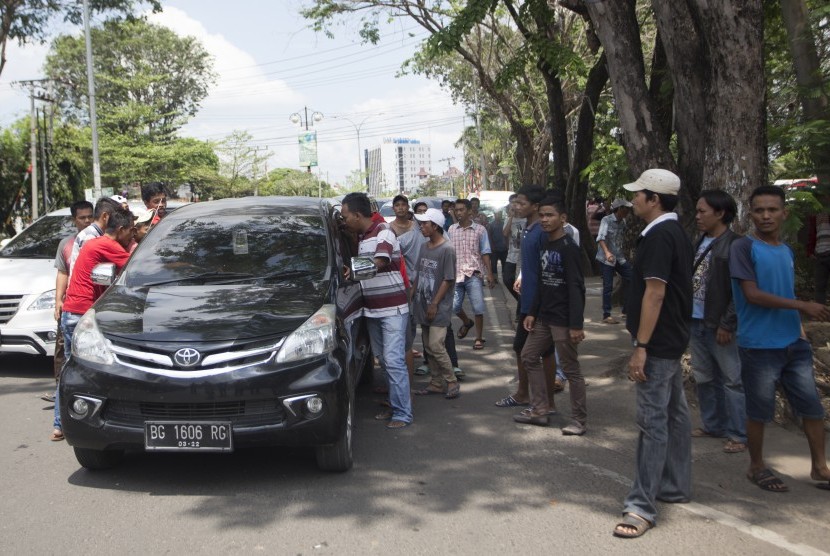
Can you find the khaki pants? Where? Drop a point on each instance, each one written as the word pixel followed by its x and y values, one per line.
pixel 440 366
pixel 541 338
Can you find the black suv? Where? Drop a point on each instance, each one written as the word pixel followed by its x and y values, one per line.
pixel 230 326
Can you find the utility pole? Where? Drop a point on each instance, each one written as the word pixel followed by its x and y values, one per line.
pixel 448 160
pixel 93 118
pixel 255 164
pixel 33 149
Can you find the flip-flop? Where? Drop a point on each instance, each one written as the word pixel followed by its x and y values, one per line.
pixel 453 392
pixel 397 424
pixel 465 328
pixel 478 344
pixel 823 486
pixel 766 480
pixel 56 436
pixel 384 415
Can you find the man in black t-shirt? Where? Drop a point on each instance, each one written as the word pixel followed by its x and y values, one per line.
pixel 659 316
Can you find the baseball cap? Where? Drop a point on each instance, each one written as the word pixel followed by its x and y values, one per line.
pixel 620 203
pixel 144 217
pixel 119 199
pixel 656 180
pixel 432 215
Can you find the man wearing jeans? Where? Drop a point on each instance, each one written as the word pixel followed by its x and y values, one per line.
pixel 771 340
pixel 472 251
pixel 611 256
pixel 715 362
pixel 659 318
pixel 385 304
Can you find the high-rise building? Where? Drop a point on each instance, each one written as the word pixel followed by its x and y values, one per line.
pixel 397 164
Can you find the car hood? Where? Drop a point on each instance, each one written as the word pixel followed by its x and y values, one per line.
pixel 25 276
pixel 207 313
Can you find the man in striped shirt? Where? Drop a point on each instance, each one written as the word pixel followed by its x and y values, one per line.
pixel 385 303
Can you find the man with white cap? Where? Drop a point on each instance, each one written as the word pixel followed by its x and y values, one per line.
pixel 611 256
pixel 143 223
pixel 659 319
pixel 432 302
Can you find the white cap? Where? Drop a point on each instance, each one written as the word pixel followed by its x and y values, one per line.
pixel 146 216
pixel 119 199
pixel 656 180
pixel 620 203
pixel 432 215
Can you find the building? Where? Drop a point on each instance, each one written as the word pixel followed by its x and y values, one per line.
pixel 398 164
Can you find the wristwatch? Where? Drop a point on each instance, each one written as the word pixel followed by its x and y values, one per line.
pixel 638 344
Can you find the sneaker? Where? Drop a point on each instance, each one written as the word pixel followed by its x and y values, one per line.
pixel 527 417
pixel 574 429
pixel 422 370
pixel 458 372
pixel 610 320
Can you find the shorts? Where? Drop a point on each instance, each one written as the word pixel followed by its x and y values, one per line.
pixel 472 286
pixel 792 366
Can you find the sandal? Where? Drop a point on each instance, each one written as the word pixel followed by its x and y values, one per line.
pixel 427 392
pixel 465 328
pixel 453 391
pixel 397 424
pixel 766 480
pixel 509 401
pixel 478 344
pixel 733 447
pixel 56 436
pixel 703 433
pixel 384 415
pixel 632 526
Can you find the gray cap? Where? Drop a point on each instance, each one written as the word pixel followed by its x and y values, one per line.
pixel 620 203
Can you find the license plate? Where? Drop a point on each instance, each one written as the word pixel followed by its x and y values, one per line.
pixel 199 436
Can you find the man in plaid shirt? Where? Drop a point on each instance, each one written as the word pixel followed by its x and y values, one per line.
pixel 472 252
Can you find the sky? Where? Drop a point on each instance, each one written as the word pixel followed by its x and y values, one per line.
pixel 271 65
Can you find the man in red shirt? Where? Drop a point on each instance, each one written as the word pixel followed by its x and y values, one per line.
pixel 82 292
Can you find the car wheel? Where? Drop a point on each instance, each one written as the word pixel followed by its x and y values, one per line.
pixel 96 460
pixel 338 456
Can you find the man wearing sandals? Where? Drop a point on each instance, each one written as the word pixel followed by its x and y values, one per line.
pixel 715 362
pixel 432 302
pixel 472 251
pixel 659 317
pixel 385 304
pixel 556 318
pixel 771 340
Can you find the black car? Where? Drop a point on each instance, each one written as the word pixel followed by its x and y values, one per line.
pixel 230 326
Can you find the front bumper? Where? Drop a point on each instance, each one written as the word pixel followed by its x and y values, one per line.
pixel 29 332
pixel 265 404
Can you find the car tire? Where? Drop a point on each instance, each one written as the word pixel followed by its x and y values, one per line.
pixel 337 457
pixel 97 460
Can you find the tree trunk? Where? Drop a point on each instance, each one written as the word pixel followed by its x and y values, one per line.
pixel 735 139
pixel 558 126
pixel 808 76
pixel 646 144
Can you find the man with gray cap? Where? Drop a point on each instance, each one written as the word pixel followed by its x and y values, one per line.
pixel 611 256
pixel 659 319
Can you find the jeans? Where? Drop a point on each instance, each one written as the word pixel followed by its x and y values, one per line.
pixel 68 323
pixel 792 367
pixel 495 257
pixel 720 391
pixel 664 449
pixel 388 336
pixel 474 287
pixel 624 270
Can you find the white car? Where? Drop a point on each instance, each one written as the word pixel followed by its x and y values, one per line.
pixel 27 286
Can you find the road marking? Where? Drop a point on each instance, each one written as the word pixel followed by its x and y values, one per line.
pixel 760 533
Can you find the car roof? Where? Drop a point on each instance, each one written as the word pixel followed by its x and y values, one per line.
pixel 307 205
pixel 135 208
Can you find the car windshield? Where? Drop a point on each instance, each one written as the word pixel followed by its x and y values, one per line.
pixel 387 210
pixel 230 248
pixel 41 239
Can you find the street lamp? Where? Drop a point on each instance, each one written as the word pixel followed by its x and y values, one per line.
pixel 357 131
pixel 306 144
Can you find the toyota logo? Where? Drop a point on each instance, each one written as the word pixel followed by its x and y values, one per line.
pixel 186 357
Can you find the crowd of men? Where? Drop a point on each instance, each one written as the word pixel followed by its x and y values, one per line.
pixel 729 299
pixel 107 233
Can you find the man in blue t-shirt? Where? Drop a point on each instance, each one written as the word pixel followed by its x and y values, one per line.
pixel 771 341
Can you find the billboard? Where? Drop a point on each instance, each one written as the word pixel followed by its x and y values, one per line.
pixel 308 148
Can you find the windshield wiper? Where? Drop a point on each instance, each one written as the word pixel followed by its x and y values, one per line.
pixel 204 276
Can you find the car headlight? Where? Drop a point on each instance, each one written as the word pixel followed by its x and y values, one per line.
pixel 88 343
pixel 314 338
pixel 46 300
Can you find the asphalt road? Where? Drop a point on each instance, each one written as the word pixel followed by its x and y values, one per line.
pixel 464 479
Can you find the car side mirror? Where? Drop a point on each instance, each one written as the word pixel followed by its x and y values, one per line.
pixel 103 274
pixel 363 268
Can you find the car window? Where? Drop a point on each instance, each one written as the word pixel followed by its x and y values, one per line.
pixel 41 239
pixel 387 210
pixel 254 244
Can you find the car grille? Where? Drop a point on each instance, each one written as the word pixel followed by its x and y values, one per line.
pixel 240 413
pixel 8 307
pixel 212 360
